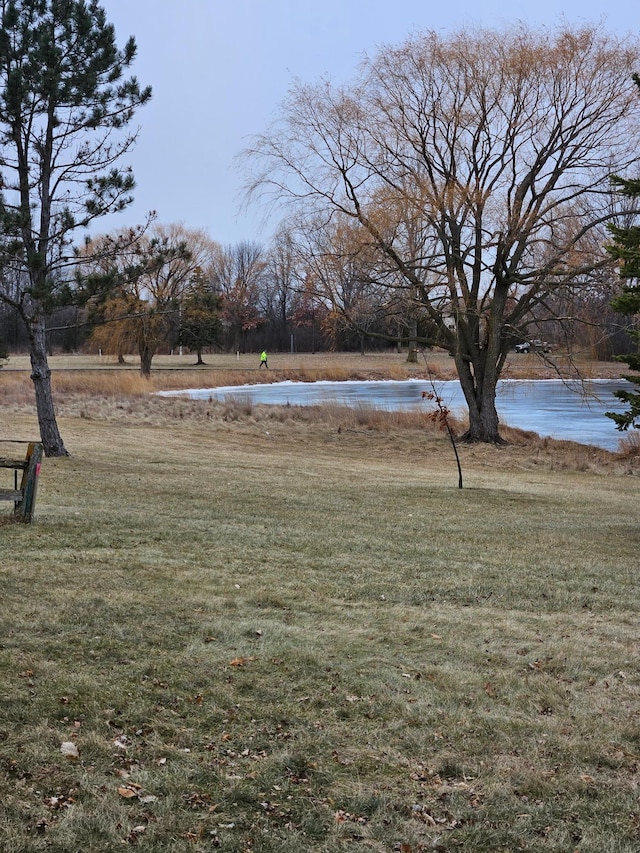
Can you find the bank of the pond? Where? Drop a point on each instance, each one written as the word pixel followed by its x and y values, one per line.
pixel 573 411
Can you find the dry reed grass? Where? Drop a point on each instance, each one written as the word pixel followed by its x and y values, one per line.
pixel 630 444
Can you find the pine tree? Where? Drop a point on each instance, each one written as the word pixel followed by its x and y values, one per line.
pixel 64 110
pixel 200 324
pixel 626 249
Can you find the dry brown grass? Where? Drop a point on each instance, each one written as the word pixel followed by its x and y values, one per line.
pixel 630 444
pixel 286 630
pixel 390 365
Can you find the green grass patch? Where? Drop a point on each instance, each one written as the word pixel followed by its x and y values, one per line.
pixel 270 634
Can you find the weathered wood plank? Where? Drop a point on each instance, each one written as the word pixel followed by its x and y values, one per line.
pixel 19 464
pixel 10 495
pixel 29 486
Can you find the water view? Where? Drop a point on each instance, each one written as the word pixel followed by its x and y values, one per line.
pixel 550 407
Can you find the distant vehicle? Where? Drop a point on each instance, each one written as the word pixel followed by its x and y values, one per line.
pixel 536 346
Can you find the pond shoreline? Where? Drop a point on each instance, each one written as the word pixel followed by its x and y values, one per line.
pixel 561 410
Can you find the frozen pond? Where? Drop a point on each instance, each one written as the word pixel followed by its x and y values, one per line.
pixel 549 407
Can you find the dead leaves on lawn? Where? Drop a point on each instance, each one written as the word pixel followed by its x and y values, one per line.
pixel 240 661
pixel 129 791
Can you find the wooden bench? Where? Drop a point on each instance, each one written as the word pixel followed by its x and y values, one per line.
pixel 23 496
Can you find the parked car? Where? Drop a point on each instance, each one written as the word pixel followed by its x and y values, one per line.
pixel 536 345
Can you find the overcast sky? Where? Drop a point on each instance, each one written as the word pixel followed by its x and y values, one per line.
pixel 219 71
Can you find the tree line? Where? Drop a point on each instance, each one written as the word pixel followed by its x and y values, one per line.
pixel 457 193
pixel 176 289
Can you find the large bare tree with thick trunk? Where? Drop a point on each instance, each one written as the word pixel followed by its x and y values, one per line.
pixel 474 164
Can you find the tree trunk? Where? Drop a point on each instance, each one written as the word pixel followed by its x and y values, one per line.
pixel 412 355
pixel 146 355
pixel 480 395
pixel 479 361
pixel 41 377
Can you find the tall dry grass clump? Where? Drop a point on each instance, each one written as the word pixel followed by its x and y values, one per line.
pixel 16 389
pixel 95 383
pixel 629 446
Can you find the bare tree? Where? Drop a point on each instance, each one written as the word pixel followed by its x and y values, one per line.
pixel 474 163
pixel 236 274
pixel 281 286
pixel 344 272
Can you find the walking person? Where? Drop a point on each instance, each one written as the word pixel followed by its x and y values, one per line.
pixel 263 359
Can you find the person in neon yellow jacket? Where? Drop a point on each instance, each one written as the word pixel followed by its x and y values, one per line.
pixel 263 359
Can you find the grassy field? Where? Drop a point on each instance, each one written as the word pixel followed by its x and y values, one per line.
pixel 327 365
pixel 278 630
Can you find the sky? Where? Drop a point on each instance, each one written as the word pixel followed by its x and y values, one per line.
pixel 220 69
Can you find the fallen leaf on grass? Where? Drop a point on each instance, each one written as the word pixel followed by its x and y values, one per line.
pixel 59 801
pixel 341 816
pixel 129 791
pixel 419 812
pixel 132 838
pixel 199 800
pixel 240 661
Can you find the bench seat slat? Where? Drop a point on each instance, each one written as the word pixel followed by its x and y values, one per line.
pixel 14 463
pixel 10 495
